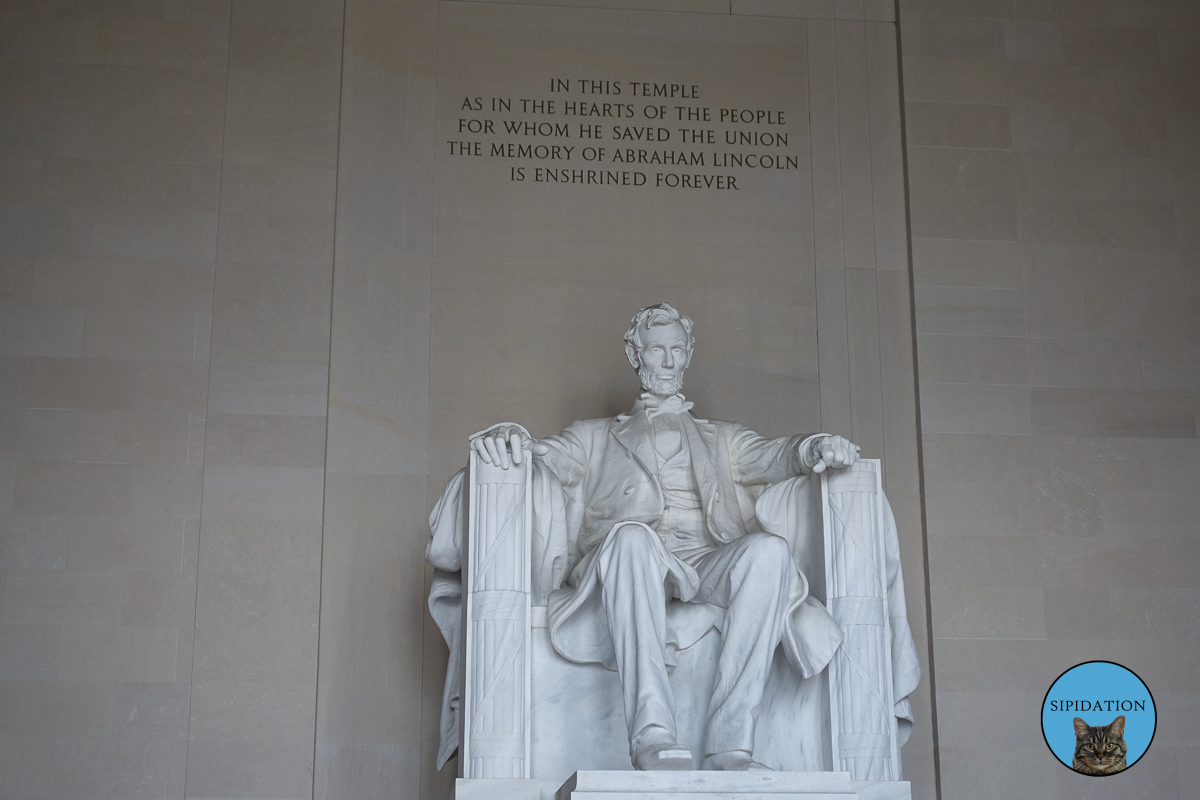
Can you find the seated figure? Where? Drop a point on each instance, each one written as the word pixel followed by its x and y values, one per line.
pixel 653 505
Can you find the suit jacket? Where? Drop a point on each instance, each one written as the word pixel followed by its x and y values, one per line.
pixel 599 473
pixel 607 469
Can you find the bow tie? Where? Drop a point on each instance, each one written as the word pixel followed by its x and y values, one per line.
pixel 654 405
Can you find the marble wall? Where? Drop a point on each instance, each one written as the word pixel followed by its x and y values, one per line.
pixel 1053 188
pixel 167 183
pixel 375 723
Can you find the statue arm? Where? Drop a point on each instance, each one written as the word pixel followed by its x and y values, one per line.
pixel 566 455
pixel 759 460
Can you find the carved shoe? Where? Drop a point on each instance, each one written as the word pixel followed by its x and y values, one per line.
pixel 734 761
pixel 662 755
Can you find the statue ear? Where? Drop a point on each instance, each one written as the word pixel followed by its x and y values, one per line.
pixel 1082 729
pixel 1117 726
pixel 632 354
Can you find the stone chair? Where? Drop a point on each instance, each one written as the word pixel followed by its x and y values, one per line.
pixel 532 723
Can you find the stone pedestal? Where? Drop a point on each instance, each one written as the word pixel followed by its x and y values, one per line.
pixel 496 789
pixel 696 785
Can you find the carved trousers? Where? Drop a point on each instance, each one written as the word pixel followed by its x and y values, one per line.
pixel 751 577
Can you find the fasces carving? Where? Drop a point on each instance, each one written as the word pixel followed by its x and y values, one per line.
pixel 862 712
pixel 497 623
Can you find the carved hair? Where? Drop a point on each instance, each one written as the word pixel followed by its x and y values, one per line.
pixel 661 314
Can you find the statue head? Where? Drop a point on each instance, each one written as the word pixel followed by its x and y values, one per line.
pixel 659 345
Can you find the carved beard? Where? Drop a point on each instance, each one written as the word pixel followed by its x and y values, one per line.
pixel 655 386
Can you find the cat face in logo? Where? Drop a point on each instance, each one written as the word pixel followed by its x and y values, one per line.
pixel 1099 750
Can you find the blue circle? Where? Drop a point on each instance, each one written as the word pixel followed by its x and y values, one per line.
pixel 1098 692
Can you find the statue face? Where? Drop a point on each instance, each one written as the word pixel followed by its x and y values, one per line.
pixel 662 358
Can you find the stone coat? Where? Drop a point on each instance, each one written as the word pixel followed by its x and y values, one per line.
pixel 606 469
pixel 609 467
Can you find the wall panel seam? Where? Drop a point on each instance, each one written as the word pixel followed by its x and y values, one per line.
pixel 429 364
pixel 207 398
pixel 328 396
pixel 937 768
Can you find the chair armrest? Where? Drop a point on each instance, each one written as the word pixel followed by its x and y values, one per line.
pixel 497 634
pixel 861 706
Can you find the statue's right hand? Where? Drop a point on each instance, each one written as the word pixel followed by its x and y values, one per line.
pixel 504 446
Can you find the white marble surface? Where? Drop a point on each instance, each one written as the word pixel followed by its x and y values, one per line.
pixel 883 790
pixel 495 789
pixel 588 784
pixel 664 489
pixel 697 785
pixel 638 508
pixel 863 733
pixel 577 720
pixel 497 591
